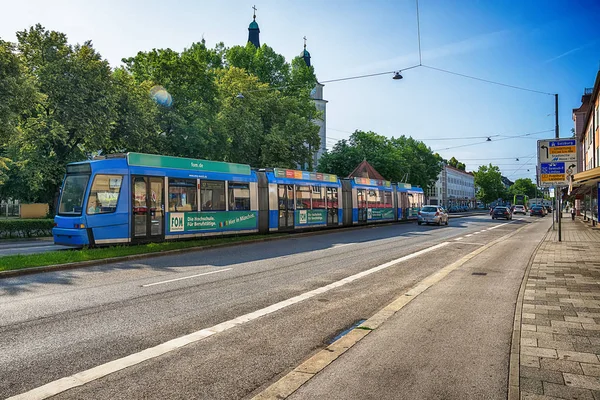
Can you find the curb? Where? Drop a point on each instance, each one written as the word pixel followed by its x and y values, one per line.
pixel 104 261
pixel 514 380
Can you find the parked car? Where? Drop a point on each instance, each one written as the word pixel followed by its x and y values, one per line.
pixel 549 209
pixel 519 210
pixel 432 214
pixel 502 212
pixel 536 210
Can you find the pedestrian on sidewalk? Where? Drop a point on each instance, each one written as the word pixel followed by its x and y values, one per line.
pixel 573 213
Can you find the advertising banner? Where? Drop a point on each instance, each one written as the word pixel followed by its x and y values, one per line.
pixel 380 213
pixel 217 220
pixel 311 217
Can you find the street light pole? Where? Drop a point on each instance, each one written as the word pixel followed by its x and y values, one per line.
pixel 557 208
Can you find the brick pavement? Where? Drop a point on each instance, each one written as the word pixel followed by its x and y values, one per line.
pixel 560 321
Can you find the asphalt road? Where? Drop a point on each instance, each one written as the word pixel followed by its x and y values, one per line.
pixel 57 324
pixel 10 247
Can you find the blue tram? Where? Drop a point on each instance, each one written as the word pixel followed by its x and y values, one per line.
pixel 134 198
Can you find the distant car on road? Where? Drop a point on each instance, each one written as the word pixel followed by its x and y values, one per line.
pixel 502 212
pixel 519 210
pixel 549 209
pixel 536 210
pixel 432 214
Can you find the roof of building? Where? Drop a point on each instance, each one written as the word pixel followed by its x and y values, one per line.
pixel 365 170
pixel 458 170
pixel 253 25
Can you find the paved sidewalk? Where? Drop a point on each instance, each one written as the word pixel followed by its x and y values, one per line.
pixel 560 323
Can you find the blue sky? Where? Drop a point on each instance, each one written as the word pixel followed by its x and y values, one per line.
pixel 549 46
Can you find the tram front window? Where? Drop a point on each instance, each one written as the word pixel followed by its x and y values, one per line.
pixel 71 199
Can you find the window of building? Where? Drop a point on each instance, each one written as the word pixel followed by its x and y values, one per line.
pixel 104 194
pixel 212 195
pixel 303 196
pixel 182 195
pixel 239 196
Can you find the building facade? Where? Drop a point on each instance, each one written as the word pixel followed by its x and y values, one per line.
pixel 454 187
pixel 586 183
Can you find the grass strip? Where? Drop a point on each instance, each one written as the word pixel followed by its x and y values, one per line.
pixel 15 262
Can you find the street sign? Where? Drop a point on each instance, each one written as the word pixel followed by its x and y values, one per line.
pixel 557 161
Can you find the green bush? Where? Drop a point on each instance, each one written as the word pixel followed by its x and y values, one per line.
pixel 25 228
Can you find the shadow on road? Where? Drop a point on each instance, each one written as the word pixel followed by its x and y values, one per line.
pixel 250 252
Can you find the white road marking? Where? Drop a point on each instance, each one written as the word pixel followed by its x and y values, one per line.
pixel 335 246
pixel 470 234
pixel 459 238
pixel 187 277
pixel 81 378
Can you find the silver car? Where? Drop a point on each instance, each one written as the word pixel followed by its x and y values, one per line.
pixel 432 215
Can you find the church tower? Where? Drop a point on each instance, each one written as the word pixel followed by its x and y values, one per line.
pixel 253 31
pixel 321 105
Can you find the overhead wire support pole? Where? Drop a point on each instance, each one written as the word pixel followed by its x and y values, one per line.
pixel 419 33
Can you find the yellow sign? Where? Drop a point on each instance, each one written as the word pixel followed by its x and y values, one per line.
pixel 562 150
pixel 553 177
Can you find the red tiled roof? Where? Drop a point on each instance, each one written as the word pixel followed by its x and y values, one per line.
pixel 365 170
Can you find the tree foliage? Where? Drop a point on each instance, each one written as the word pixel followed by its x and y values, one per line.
pixel 61 103
pixel 524 186
pixel 453 162
pixel 401 159
pixel 488 183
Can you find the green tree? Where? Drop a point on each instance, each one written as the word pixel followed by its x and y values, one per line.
pixel 524 186
pixel 263 62
pixel 187 124
pixel 402 159
pixel 488 183
pixel 70 118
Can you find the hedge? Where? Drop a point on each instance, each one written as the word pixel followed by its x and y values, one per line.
pixel 25 228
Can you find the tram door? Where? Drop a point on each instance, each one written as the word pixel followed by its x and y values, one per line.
pixel 362 205
pixel 332 206
pixel 285 194
pixel 148 209
pixel 404 205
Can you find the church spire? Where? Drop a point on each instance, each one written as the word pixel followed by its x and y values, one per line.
pixel 305 54
pixel 253 30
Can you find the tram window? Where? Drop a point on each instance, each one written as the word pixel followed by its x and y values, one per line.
pixel 332 197
pixel 239 196
pixel 387 199
pixel 71 199
pixel 104 194
pixel 374 197
pixel 212 195
pixel 318 197
pixel 303 195
pixel 182 195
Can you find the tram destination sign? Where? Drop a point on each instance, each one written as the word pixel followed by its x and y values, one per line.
pixel 153 160
pixel 557 161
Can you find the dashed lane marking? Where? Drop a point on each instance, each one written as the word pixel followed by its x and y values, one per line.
pixel 187 277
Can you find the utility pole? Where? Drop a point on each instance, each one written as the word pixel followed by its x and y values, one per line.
pixel 557 208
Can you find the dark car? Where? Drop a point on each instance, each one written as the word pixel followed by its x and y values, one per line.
pixel 501 212
pixel 536 210
pixel 549 209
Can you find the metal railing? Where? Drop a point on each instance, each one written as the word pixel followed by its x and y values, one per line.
pixel 8 210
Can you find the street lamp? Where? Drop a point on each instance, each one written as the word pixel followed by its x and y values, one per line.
pixel 397 75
